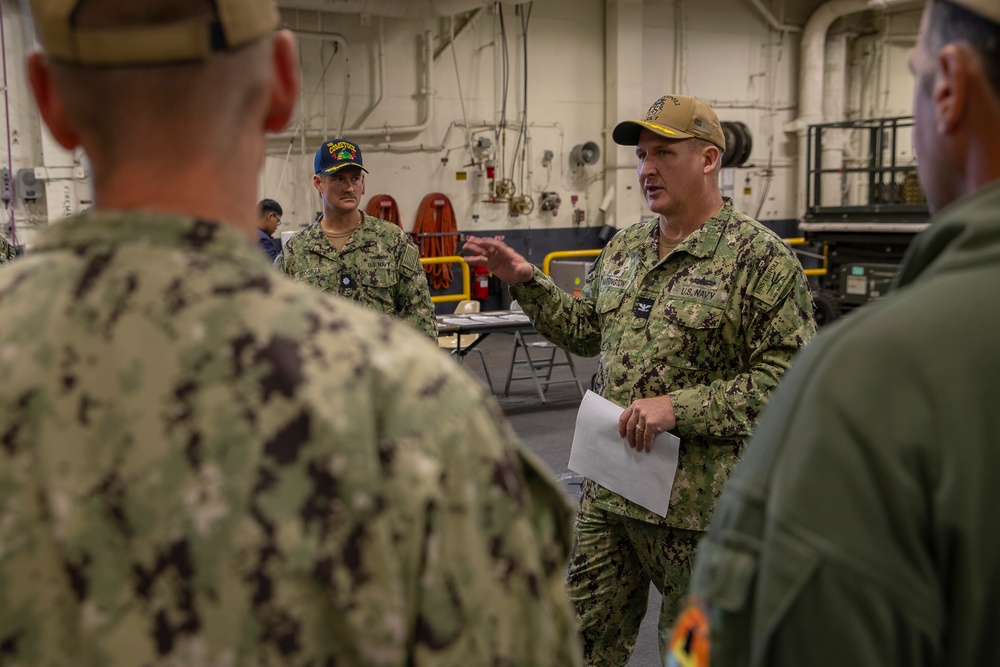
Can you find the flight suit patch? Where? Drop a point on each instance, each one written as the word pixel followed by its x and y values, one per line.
pixel 689 644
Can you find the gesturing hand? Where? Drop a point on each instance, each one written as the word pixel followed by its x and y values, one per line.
pixel 499 258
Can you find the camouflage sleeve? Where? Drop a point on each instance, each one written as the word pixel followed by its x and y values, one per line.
pixel 571 323
pixel 458 561
pixel 413 531
pixel 778 322
pixel 413 295
pixel 283 262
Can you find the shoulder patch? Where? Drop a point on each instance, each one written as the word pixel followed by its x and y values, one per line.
pixel 410 264
pixel 774 283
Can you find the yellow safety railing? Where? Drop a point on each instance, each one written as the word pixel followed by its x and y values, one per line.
pixel 810 272
pixel 466 282
pixel 563 254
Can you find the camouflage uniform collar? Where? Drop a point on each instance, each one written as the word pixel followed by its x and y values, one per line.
pixel 702 242
pixel 317 227
pixel 315 239
pixel 111 228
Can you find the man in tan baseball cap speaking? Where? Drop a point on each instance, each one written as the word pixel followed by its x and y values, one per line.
pixel 696 315
pixel 205 463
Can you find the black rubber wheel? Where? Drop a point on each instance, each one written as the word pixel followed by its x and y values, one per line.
pixel 827 308
pixel 739 143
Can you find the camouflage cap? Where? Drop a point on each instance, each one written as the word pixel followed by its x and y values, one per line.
pixel 674 117
pixel 236 22
pixel 988 9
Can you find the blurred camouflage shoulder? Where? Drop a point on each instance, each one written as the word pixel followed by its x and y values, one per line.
pixel 202 462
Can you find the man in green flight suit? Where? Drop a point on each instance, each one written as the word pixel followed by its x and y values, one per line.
pixel 205 463
pixel 350 253
pixel 696 316
pixel 861 529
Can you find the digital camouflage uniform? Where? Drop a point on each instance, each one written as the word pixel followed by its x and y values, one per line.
pixel 861 527
pixel 6 251
pixel 203 463
pixel 378 267
pixel 713 325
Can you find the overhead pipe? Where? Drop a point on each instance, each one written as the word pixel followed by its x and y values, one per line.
pixel 6 103
pixel 335 38
pixel 458 33
pixel 381 74
pixel 413 9
pixel 428 92
pixel 772 20
pixel 834 103
pixel 679 45
pixel 386 131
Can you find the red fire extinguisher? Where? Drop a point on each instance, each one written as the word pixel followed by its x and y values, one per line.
pixel 480 282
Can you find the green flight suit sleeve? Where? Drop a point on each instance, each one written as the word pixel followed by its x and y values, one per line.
pixel 817 553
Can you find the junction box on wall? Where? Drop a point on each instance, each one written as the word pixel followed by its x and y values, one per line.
pixel 550 201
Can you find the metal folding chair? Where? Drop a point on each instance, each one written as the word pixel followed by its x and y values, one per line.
pixel 540 357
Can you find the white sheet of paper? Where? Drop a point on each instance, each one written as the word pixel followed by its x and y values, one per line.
pixel 600 454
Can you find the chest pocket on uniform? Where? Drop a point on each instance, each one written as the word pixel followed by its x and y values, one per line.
pixel 609 300
pixel 695 325
pixel 375 276
pixel 377 284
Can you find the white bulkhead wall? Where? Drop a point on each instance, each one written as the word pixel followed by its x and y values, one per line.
pixel 590 64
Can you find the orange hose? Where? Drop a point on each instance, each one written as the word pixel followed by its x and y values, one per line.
pixel 384 207
pixel 436 215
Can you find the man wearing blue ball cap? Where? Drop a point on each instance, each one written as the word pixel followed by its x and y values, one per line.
pixel 350 253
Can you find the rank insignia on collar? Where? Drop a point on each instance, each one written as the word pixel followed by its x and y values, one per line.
pixel 347 282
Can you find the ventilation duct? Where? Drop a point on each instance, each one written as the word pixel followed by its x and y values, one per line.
pixel 414 9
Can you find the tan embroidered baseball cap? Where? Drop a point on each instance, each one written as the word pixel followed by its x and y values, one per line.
pixel 674 117
pixel 237 22
pixel 989 9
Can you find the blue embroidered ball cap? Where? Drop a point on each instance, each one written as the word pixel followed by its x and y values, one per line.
pixel 336 154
